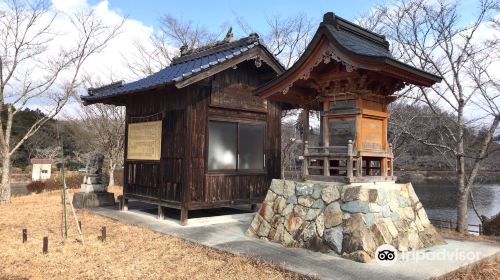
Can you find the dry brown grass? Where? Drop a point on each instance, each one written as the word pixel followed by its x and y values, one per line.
pixel 485 270
pixel 129 252
pixel 454 234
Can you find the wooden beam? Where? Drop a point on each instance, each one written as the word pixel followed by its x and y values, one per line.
pixel 249 55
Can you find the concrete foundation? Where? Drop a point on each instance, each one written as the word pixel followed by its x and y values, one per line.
pixel 351 219
pixel 90 200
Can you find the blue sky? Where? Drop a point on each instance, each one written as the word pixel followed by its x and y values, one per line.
pixel 213 13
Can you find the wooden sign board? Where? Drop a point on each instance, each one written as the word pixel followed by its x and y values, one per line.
pixel 372 134
pixel 144 141
pixel 341 131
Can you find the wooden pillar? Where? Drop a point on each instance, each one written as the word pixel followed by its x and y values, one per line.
pixel 305 140
pixel 359 166
pixel 321 132
pixel 368 163
pixel 253 207
pixel 125 203
pixel 184 216
pixel 383 167
pixel 349 160
pixel 161 213
pixel 305 161
pixel 326 163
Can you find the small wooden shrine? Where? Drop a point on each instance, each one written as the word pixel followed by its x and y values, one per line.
pixel 196 137
pixel 349 75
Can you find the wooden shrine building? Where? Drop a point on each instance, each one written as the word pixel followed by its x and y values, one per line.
pixel 196 136
pixel 349 75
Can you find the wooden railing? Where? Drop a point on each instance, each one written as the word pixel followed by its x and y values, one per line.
pixel 338 154
pixel 451 225
pixel 346 164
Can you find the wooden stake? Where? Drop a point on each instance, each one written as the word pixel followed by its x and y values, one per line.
pixel 45 248
pixel 78 227
pixel 103 234
pixel 25 235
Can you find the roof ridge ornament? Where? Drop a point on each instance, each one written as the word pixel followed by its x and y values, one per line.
pixel 229 35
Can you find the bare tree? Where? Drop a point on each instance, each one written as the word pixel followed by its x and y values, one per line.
pixel 431 35
pixel 288 37
pixel 106 126
pixel 156 54
pixel 30 73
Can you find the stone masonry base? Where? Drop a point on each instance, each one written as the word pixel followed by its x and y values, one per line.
pixel 350 219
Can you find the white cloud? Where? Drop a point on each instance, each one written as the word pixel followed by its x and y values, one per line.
pixel 70 6
pixel 106 66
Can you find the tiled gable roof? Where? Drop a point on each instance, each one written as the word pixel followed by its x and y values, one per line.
pixel 182 67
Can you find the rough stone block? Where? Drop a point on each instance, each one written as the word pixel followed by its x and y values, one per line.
pixel 306 201
pixel 293 223
pixel 291 200
pixel 278 235
pixel 317 191
pixel 386 211
pixel 381 233
pixel 270 197
pixel 356 206
pixel 330 194
pixel 318 204
pixel 372 195
pixel 300 211
pixel 359 256
pixel 320 224
pixel 91 200
pixel 279 205
pixel 264 229
pixel 302 189
pixel 369 219
pixel 374 208
pixel 394 217
pixel 277 186
pixel 289 188
pixel 266 211
pixel 287 210
pixel 334 238
pixel 333 215
pixel 312 214
pixel 350 193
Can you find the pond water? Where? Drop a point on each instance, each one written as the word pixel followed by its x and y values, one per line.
pixel 439 200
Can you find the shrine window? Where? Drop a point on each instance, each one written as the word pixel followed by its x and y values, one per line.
pixel 236 146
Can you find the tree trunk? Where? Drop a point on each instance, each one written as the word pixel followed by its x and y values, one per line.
pixel 462 213
pixel 111 174
pixel 5 191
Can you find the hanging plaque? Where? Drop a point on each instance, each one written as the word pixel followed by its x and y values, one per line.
pixel 144 141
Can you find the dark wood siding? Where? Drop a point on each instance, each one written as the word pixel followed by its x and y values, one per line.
pixel 159 180
pixel 181 178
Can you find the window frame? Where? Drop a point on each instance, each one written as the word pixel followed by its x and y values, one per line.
pixel 237 170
